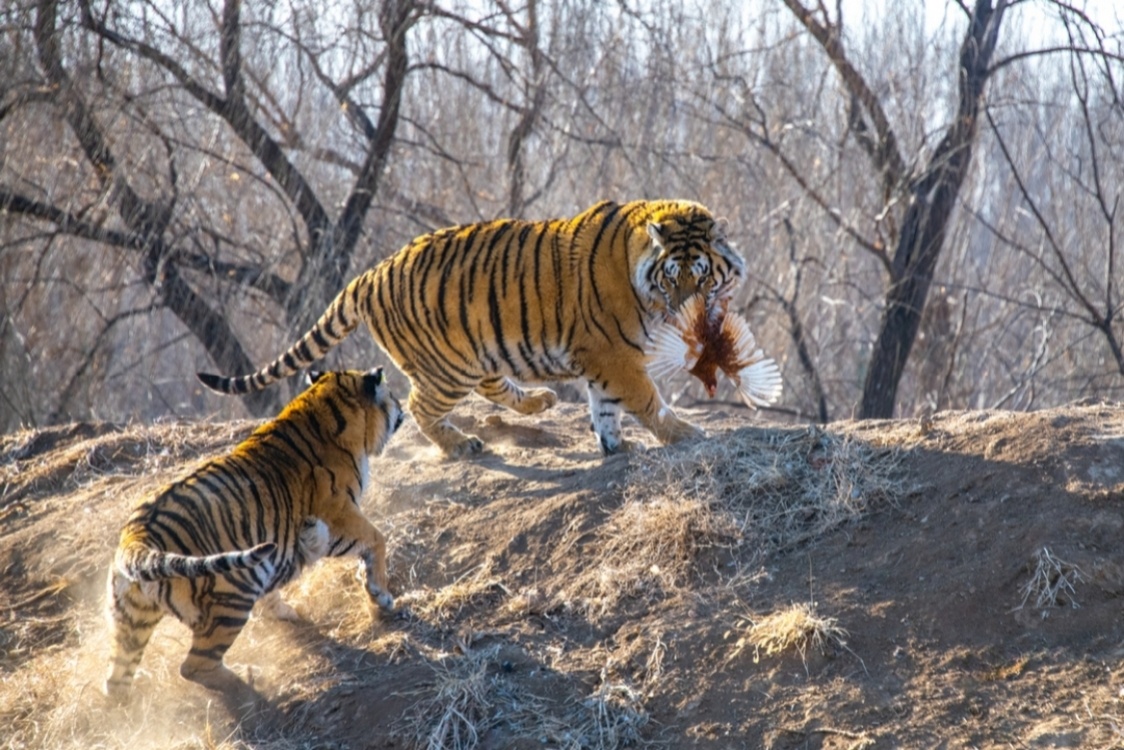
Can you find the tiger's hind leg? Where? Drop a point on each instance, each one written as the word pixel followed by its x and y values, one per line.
pixel 430 407
pixel 504 392
pixel 212 635
pixel 133 616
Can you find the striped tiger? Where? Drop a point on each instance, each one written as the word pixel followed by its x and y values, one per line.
pixel 207 546
pixel 474 307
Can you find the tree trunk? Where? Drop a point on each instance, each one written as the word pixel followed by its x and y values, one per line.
pixel 147 220
pixel 932 199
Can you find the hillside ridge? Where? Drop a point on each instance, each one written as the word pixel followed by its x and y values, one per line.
pixel 962 576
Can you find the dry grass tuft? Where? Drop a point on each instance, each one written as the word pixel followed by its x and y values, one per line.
pixel 1051 582
pixel 479 586
pixel 473 703
pixel 752 493
pixel 796 628
pixel 457 715
pixel 610 718
pixel 778 487
pixel 648 550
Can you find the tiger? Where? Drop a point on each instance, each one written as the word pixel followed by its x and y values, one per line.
pixel 473 308
pixel 205 548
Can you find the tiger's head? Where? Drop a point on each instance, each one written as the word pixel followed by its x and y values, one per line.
pixel 356 405
pixel 688 255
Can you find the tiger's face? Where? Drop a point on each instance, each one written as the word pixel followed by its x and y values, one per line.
pixel 689 255
pixel 364 404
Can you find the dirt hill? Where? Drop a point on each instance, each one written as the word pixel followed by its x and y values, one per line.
pixel 900 584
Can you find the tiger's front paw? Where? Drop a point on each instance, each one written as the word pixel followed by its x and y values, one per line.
pixel 382 599
pixel 538 400
pixel 468 447
pixel 613 444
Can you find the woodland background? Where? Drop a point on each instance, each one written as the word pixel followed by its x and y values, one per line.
pixel 929 199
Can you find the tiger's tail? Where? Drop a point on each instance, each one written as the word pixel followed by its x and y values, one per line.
pixel 337 322
pixel 138 562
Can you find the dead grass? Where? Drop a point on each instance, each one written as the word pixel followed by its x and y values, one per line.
pixel 610 718
pixel 73 455
pixel 779 488
pixel 479 586
pixel 472 701
pixel 796 628
pixel 647 550
pixel 753 493
pixel 1052 582
pixel 460 711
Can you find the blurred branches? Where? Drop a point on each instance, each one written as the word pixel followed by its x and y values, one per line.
pixel 186 186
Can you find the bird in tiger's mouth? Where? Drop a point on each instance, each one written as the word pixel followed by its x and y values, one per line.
pixel 704 339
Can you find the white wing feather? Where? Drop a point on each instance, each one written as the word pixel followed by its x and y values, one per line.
pixel 760 383
pixel 758 379
pixel 671 351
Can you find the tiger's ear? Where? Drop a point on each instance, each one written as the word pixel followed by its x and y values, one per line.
pixel 312 376
pixel 657 233
pixel 718 233
pixel 372 379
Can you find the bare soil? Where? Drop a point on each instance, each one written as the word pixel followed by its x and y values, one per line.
pixel 967 572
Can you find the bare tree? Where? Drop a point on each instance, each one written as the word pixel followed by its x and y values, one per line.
pixel 153 224
pixel 928 191
pixel 187 188
pixel 1077 152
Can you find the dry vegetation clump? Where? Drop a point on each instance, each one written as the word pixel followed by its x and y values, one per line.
pixel 647 550
pixel 1052 582
pixel 479 586
pixel 75 456
pixel 460 710
pixel 610 718
pixel 473 700
pixel 795 628
pixel 779 488
pixel 752 493
pixel 42 622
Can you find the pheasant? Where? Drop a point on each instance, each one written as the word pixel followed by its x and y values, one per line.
pixel 702 342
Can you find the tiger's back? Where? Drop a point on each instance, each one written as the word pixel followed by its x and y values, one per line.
pixel 476 307
pixel 206 547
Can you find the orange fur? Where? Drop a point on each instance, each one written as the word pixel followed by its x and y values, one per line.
pixel 206 547
pixel 477 307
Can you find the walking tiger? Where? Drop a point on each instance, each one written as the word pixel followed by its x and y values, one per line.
pixel 475 307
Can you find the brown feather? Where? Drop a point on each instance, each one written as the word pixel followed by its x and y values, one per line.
pixel 706 341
